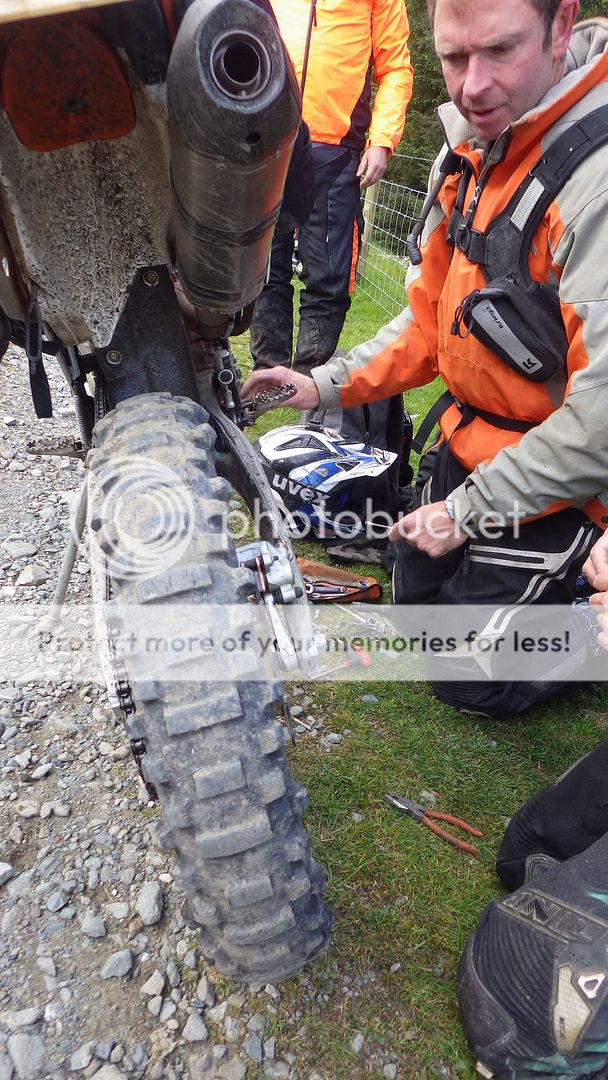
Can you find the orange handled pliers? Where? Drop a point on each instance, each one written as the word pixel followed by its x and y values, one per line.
pixel 428 818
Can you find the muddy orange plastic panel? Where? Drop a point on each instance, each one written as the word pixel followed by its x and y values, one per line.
pixel 62 83
pixel 14 10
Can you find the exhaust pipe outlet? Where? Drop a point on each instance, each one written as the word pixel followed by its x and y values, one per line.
pixel 234 111
pixel 240 65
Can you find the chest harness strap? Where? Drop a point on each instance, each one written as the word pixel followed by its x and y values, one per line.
pixel 517 318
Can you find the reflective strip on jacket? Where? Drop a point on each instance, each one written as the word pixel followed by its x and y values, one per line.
pixel 349 38
pixel 563 461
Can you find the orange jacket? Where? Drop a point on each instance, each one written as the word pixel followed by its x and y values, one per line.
pixel 563 461
pixel 348 39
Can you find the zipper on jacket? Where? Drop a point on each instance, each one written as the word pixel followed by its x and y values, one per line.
pixel 494 155
pixel 367 421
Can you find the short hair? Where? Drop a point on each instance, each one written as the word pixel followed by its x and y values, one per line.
pixel 546 8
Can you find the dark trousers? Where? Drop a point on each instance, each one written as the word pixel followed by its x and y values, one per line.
pixel 518 569
pixel 325 245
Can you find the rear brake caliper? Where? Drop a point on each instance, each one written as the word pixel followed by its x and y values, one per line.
pixel 275 586
pixel 274 569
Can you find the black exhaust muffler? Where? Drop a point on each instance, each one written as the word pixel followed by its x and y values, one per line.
pixel 234 110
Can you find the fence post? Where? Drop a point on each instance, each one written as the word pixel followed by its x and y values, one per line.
pixel 369 213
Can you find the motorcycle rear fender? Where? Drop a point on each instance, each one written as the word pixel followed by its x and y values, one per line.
pixel 62 83
pixel 17 10
pixel 82 219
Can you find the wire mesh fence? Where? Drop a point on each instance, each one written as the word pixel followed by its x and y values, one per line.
pixel 390 210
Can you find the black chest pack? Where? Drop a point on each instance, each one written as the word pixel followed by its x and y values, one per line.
pixel 517 318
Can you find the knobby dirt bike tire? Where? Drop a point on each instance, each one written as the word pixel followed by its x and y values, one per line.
pixel 214 751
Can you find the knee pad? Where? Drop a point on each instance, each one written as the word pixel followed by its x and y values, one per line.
pixel 560 821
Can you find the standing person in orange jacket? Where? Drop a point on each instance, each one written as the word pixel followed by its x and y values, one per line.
pixel 335 46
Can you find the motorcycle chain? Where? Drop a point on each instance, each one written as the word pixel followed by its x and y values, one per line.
pixel 120 677
pixel 122 688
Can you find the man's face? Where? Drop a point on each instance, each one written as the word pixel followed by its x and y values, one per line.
pixel 496 62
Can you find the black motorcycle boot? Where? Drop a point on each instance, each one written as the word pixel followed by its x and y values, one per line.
pixel 271 334
pixel 533 978
pixel 318 335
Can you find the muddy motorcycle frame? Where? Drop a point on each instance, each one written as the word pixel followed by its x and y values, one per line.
pixel 143 147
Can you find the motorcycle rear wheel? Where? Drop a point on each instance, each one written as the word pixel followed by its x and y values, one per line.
pixel 214 750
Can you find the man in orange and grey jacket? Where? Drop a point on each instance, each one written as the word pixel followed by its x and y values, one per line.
pixel 335 46
pixel 530 455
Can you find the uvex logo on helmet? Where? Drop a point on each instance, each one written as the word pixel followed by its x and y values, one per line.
pixel 285 483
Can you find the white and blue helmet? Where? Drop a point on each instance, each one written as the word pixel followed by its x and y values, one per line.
pixel 320 478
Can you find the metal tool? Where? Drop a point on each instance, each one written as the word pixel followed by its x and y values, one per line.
pixel 268 399
pixel 328 589
pixel 380 529
pixel 324 590
pixel 355 656
pixel 374 623
pixel 429 817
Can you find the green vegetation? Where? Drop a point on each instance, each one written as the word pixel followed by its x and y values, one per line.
pixel 400 895
pixel 589 8
pixel 422 135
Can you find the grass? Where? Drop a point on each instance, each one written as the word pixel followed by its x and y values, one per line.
pixel 400 896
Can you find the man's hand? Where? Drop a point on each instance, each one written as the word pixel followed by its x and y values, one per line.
pixel 372 166
pixel 429 529
pixel 596 572
pixel 306 396
pixel 600 601
pixel 596 567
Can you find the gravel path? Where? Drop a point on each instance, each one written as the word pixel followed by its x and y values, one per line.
pixel 100 975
